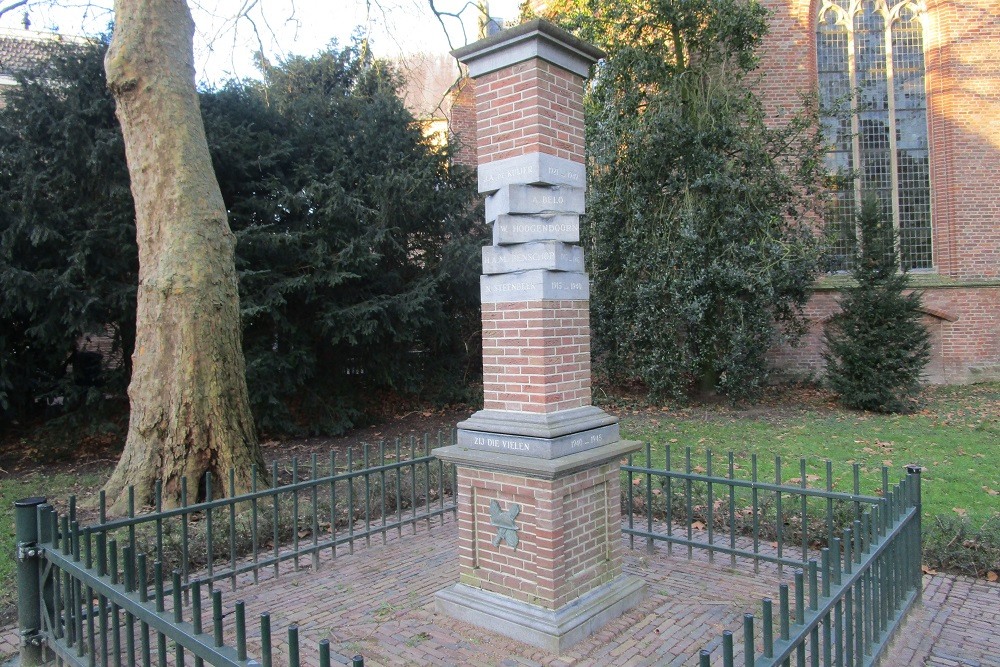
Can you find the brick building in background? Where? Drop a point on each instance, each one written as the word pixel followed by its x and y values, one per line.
pixel 922 131
pixel 925 135
pixel 21 50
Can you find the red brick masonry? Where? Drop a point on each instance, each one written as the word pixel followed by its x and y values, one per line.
pixel 536 355
pixel 530 107
pixel 568 534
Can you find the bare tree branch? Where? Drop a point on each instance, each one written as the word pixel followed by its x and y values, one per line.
pixel 477 6
pixel 481 9
pixel 12 6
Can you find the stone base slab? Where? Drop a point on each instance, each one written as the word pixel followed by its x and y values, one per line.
pixel 542 448
pixel 539 425
pixel 546 436
pixel 553 630
pixel 532 467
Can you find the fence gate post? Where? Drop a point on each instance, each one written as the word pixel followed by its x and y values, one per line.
pixel 913 474
pixel 28 569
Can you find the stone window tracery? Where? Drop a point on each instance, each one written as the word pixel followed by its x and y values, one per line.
pixel 873 106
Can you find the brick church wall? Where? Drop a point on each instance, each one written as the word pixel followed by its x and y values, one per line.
pixel 462 124
pixel 962 293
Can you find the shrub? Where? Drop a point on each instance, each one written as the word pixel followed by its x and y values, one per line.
pixel 954 544
pixel 697 234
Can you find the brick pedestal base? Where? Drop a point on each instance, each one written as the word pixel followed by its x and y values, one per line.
pixel 539 544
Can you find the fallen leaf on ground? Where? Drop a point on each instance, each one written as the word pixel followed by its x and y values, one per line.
pixel 960 511
pixel 992 576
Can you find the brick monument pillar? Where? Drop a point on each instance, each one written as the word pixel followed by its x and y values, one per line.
pixel 539 509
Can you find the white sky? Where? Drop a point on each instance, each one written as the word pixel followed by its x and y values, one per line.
pixel 224 44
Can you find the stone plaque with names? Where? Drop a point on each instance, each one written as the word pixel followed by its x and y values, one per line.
pixel 531 169
pixel 509 229
pixel 534 200
pixel 550 255
pixel 534 285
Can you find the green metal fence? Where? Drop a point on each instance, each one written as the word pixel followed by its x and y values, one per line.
pixel 85 601
pixel 144 589
pixel 857 556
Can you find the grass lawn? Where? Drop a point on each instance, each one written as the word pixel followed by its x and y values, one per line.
pixel 56 485
pixel 955 437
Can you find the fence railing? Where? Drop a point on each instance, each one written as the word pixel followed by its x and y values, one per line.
pixel 85 601
pixel 857 557
pixel 156 599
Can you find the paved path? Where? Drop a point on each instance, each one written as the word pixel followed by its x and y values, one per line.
pixel 958 624
pixel 379 602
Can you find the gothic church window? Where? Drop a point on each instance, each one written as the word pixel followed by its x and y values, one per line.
pixel 873 106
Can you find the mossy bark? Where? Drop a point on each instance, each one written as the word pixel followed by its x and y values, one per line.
pixel 190 412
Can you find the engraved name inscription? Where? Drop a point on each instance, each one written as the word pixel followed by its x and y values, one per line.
pixel 507 175
pixel 517 257
pixel 509 287
pixel 548 200
pixel 536 228
pixel 501 443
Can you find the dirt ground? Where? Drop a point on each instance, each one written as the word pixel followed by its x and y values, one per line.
pixel 94 458
pixel 18 458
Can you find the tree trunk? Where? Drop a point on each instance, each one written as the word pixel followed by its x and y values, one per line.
pixel 190 413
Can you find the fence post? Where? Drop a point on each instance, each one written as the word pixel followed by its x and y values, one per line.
pixel 28 603
pixel 913 475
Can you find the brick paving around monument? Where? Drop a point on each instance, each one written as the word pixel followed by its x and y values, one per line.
pixel 379 601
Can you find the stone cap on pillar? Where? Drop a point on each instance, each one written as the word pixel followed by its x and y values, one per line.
pixel 534 39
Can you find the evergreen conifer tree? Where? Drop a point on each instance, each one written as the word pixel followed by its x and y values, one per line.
pixel 876 347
